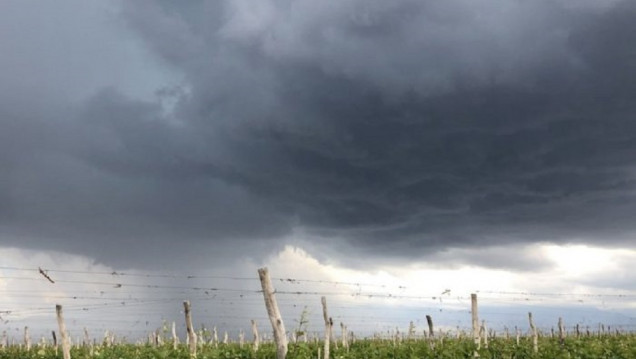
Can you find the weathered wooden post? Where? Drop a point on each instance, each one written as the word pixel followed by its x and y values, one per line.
pixel 54 341
pixel 325 316
pixel 483 333
pixel 561 331
pixel 175 338
pixel 274 314
pixel 66 345
pixel 345 341
pixel 87 339
pixel 332 339
pixel 255 334
pixel 535 335
pixel 411 333
pixel 429 321
pixel 475 323
pixel 192 336
pixel 27 338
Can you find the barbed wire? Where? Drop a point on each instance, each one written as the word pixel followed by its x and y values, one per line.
pixel 305 292
pixel 192 276
pixel 142 297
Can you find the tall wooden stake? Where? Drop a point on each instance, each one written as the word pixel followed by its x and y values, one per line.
pixel 483 333
pixel 175 338
pixel 345 341
pixel 535 335
pixel 274 314
pixel 87 338
pixel 66 345
pixel 255 334
pixel 27 339
pixel 429 321
pixel 325 316
pixel 192 336
pixel 475 322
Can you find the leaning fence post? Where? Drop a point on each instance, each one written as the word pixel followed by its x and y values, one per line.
pixel 66 345
pixel 273 313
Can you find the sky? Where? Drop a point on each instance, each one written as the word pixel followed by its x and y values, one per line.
pixel 393 156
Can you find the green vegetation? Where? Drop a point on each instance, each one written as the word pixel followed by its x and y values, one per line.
pixel 610 347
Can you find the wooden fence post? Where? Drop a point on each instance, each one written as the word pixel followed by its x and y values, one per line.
pixel 87 339
pixel 475 322
pixel 27 339
pixel 561 331
pixel 175 338
pixel 255 334
pixel 274 314
pixel 345 341
pixel 325 316
pixel 535 335
pixel 54 341
pixel 192 336
pixel 429 321
pixel 66 345
pixel 332 339
pixel 484 330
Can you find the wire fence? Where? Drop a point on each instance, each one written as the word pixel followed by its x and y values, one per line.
pixel 134 303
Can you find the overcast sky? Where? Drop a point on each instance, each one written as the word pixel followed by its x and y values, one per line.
pixel 365 137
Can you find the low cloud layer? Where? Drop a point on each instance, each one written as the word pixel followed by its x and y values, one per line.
pixel 395 130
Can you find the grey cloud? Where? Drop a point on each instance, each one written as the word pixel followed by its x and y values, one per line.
pixel 109 182
pixel 398 129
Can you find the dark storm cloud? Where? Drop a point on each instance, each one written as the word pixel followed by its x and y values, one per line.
pixel 110 180
pixel 399 128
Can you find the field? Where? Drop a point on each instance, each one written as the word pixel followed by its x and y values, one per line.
pixel 302 341
pixel 592 347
